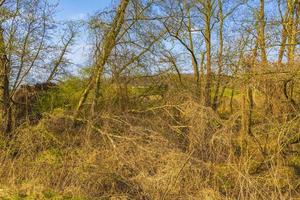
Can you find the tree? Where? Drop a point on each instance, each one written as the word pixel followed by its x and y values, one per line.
pixel 283 41
pixel 67 40
pixel 180 26
pixel 4 87
pixel 191 47
pixel 109 42
pixel 293 22
pixel 26 47
pixel 207 9
pixel 221 18
pixel 261 33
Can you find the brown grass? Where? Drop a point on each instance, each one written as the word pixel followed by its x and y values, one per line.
pixel 174 149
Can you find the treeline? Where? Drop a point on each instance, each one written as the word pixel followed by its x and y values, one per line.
pixel 215 38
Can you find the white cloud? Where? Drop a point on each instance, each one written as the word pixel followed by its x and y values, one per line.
pixel 79 53
pixel 78 16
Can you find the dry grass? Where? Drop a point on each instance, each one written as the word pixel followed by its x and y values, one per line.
pixel 176 149
pixel 167 152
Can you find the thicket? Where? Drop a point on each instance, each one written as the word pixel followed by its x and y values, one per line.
pixel 192 99
pixel 164 145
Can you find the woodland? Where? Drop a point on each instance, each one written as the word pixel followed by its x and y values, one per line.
pixel 179 99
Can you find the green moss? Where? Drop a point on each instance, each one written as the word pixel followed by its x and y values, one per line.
pixel 228 92
pixel 44 195
pixel 51 156
pixel 225 178
pixel 294 162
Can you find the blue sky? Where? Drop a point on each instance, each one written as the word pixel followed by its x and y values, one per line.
pixel 79 10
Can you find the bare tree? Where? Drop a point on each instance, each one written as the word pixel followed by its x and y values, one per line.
pixel 180 26
pixel 67 40
pixel 261 32
pixel 293 21
pixel 26 47
pixel 207 9
pixel 284 32
pixel 4 86
pixel 109 41
pixel 191 47
pixel 221 18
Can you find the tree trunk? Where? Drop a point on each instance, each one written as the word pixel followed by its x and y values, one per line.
pixel 220 57
pixel 231 101
pixel 194 61
pixel 5 106
pixel 293 20
pixel 283 38
pixel 207 36
pixel 264 60
pixel 261 33
pixel 201 71
pixel 109 42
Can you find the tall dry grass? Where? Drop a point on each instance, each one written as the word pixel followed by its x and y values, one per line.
pixel 171 151
pixel 172 148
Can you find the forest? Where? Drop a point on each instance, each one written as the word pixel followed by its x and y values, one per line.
pixel 178 100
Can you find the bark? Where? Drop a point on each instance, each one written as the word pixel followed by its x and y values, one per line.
pixel 289 95
pixel 220 56
pixel 191 44
pixel 261 32
pixel 293 20
pixel 264 60
pixel 109 42
pixel 207 36
pixel 248 103
pixel 108 45
pixel 202 66
pixel 231 101
pixel 283 38
pixel 5 107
